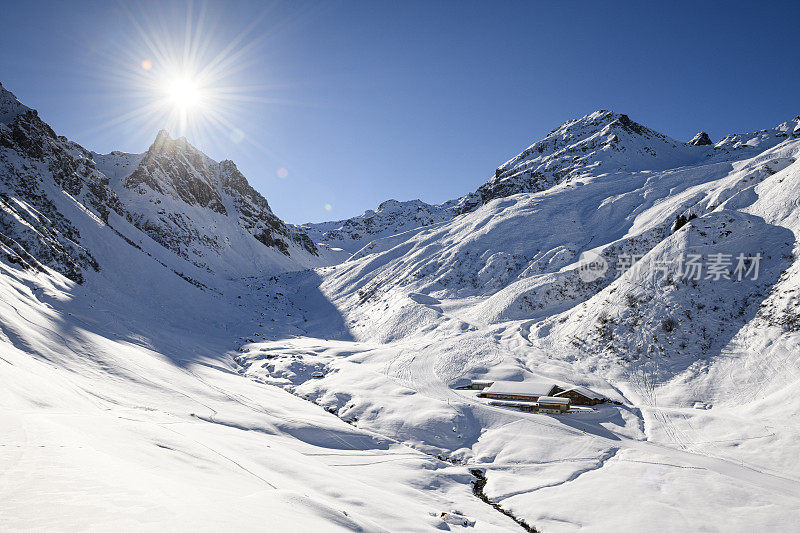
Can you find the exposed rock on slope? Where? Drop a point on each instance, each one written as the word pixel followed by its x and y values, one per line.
pixel 46 179
pixel 255 214
pixel 603 141
pixel 701 139
pixel 184 196
pixel 664 309
pixel 173 167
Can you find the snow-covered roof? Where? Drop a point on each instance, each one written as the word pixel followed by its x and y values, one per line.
pixel 584 392
pixel 554 400
pixel 522 388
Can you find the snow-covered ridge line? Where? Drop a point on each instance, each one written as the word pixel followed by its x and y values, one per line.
pixel 390 218
pixel 601 142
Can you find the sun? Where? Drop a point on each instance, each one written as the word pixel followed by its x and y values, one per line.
pixel 183 93
pixel 189 73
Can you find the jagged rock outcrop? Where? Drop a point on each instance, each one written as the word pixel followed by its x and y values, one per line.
pixel 197 207
pixel 173 167
pixel 42 178
pixel 255 214
pixel 701 139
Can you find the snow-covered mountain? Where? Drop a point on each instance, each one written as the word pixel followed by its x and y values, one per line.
pixel 598 143
pixel 204 212
pixel 391 218
pixel 497 293
pixel 253 388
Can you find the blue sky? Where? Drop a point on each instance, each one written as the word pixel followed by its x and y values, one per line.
pixel 365 101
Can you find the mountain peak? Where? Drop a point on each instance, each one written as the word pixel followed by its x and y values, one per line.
pixel 602 141
pixel 165 143
pixel 701 139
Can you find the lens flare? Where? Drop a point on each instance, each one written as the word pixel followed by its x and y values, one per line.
pixel 237 135
pixel 282 173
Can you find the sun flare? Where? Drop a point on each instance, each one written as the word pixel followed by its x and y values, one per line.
pixel 191 77
pixel 183 93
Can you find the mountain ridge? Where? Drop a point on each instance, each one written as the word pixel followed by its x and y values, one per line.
pixel 152 191
pixel 601 141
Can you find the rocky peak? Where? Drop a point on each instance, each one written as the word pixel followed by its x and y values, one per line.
pixel 176 179
pixel 701 139
pixel 600 141
pixel 173 167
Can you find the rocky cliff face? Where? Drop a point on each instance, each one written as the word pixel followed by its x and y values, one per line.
pixel 44 180
pixel 194 206
pixel 172 167
pixel 255 214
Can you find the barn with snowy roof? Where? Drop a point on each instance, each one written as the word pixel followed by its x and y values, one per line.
pixel 553 404
pixel 520 390
pixel 581 396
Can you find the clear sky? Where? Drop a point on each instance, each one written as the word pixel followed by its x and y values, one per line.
pixel 331 107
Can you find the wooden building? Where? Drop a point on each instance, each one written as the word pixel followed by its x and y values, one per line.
pixel 581 396
pixel 519 390
pixel 479 384
pixel 553 404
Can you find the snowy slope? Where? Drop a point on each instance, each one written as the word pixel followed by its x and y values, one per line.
pixel 123 411
pixel 496 294
pixel 122 407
